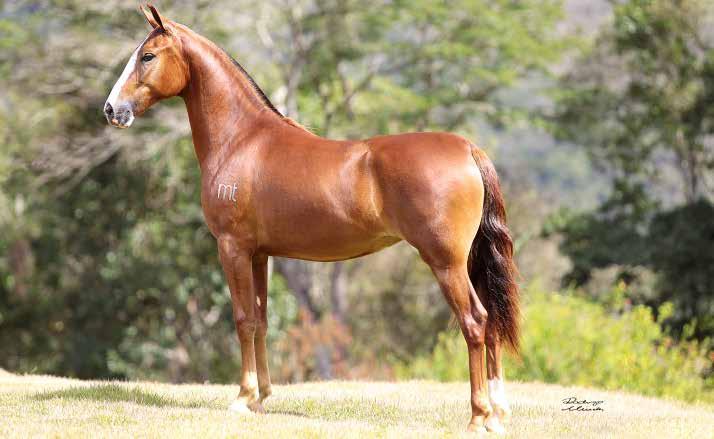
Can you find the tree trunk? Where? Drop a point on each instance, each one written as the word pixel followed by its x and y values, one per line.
pixel 299 278
pixel 338 291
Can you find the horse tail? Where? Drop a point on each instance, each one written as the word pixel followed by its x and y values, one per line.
pixel 491 267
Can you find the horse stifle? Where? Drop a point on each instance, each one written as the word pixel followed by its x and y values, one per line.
pixel 272 188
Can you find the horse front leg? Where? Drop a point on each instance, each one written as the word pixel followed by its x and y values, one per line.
pixel 260 284
pixel 237 266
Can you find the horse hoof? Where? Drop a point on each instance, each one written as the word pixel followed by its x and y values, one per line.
pixel 256 407
pixel 478 429
pixel 493 425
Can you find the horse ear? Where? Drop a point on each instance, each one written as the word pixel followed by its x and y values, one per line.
pixel 157 17
pixel 148 17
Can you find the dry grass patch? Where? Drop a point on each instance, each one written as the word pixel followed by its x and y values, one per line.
pixel 40 406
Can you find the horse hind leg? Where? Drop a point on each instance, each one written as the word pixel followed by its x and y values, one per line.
pixel 471 316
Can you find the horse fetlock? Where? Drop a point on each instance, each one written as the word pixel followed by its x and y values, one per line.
pixel 480 406
pixel 502 412
pixel 497 398
pixel 248 401
pixel 249 388
pixel 265 392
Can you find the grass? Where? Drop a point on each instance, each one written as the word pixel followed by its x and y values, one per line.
pixel 41 406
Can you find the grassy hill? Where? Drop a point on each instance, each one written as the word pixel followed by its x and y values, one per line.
pixel 42 406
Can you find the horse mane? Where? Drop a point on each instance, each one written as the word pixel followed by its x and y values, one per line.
pixel 262 96
pixel 296 124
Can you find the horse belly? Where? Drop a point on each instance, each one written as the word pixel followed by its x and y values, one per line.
pixel 324 227
pixel 339 252
pixel 325 241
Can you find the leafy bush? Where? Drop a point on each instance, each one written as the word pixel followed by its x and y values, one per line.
pixel 570 340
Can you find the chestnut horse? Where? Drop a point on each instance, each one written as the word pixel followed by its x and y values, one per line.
pixel 272 188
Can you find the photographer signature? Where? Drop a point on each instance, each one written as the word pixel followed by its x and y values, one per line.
pixel 573 404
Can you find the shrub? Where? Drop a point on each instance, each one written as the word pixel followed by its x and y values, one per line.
pixel 571 340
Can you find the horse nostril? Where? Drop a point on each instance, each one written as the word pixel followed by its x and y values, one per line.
pixel 108 109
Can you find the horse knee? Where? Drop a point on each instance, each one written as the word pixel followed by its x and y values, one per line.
pixel 265 391
pixel 246 327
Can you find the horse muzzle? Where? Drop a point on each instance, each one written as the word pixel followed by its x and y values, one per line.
pixel 121 117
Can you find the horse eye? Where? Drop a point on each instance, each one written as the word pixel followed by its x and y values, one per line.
pixel 147 57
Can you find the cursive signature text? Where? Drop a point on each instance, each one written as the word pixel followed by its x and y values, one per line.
pixel 573 404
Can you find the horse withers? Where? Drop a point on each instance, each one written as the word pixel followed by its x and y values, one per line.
pixel 272 188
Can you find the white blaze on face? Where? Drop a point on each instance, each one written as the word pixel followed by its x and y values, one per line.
pixel 116 90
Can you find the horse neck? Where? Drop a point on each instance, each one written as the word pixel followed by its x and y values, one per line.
pixel 224 109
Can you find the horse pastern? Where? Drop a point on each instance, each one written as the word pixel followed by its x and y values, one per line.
pixel 257 407
pixel 493 425
pixel 477 424
pixel 503 413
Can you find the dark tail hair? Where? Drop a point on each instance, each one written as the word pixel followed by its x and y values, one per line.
pixel 491 267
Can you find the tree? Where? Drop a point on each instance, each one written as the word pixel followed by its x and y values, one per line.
pixel 104 256
pixel 640 99
pixel 640 102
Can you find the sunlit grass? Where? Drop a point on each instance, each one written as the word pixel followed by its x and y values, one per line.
pixel 39 406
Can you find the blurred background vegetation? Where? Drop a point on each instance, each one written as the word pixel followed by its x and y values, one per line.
pixel 598 115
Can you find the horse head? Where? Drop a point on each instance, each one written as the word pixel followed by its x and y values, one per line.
pixel 156 70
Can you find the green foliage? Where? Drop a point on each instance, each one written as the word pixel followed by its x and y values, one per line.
pixel 640 102
pixel 594 241
pixel 571 340
pixel 673 243
pixel 681 242
pixel 106 266
pixel 640 99
pixel 378 66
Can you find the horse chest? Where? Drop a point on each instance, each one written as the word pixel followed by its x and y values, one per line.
pixel 225 204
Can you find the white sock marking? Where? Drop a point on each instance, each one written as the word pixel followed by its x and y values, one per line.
pixel 497 393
